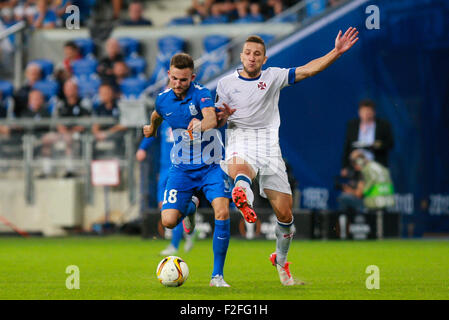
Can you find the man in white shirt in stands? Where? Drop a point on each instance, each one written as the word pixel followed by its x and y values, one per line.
pixel 248 100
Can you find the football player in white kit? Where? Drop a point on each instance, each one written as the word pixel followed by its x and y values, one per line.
pixel 248 100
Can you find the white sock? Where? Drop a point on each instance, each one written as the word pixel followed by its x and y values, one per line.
pixel 249 192
pixel 284 235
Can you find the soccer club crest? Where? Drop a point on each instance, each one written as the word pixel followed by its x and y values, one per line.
pixel 193 110
pixel 262 85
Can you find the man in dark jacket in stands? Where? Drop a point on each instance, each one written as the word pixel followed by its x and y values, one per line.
pixel 368 133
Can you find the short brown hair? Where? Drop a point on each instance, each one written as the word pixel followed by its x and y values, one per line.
pixel 367 103
pixel 257 39
pixel 182 61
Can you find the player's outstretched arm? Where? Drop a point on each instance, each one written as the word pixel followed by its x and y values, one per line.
pixel 151 130
pixel 342 44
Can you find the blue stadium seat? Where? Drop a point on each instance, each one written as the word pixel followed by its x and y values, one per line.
pixel 168 46
pixel 180 21
pixel 84 68
pixel 215 19
pixel 49 89
pixel 130 46
pixel 215 62
pixel 46 66
pixel 314 7
pixel 132 88
pixel 291 17
pixel 6 88
pixel 87 47
pixel 137 65
pixel 250 19
pixel 88 87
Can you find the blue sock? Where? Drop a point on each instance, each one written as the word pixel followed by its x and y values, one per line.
pixel 220 243
pixel 191 208
pixel 177 235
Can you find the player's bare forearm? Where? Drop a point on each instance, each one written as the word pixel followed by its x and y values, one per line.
pixel 209 119
pixel 316 66
pixel 155 122
pixel 342 44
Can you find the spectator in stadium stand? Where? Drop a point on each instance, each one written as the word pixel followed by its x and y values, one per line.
pixel 108 108
pixel 120 72
pixel 63 70
pixel 25 10
pixel 33 73
pixel 201 7
pixel 71 106
pixel 135 18
pixel 105 67
pixel 45 18
pixel 37 109
pixel 368 133
pixel 59 7
pixel 4 130
pixel 248 12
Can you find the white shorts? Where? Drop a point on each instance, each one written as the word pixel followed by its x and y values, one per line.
pixel 263 155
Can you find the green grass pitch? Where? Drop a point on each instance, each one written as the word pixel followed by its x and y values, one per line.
pixel 124 268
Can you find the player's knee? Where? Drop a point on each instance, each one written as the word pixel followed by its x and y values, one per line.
pixel 169 221
pixel 285 215
pixel 222 213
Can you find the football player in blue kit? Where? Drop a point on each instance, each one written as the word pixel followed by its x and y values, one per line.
pixel 190 111
pixel 166 143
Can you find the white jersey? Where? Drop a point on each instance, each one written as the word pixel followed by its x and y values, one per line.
pixel 256 100
pixel 253 133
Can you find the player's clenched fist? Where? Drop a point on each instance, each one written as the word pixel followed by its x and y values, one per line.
pixel 148 131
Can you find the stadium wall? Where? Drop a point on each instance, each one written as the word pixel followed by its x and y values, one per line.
pixel 403 67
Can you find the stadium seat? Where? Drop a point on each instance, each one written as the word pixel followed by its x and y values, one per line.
pixel 215 61
pixel 168 46
pixel 87 47
pixel 130 46
pixel 215 19
pixel 132 88
pixel 49 89
pixel 88 87
pixel 137 65
pixel 46 66
pixel 7 89
pixel 180 21
pixel 314 7
pixel 250 19
pixel 84 68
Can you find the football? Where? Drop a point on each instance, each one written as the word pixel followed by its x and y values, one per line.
pixel 172 271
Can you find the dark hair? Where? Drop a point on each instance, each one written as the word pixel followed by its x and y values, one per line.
pixel 257 39
pixel 182 61
pixel 72 45
pixel 367 103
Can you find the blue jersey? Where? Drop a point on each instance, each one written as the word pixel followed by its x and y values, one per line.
pixel 187 152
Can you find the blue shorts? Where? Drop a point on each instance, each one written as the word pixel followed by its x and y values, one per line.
pixel 161 183
pixel 182 184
